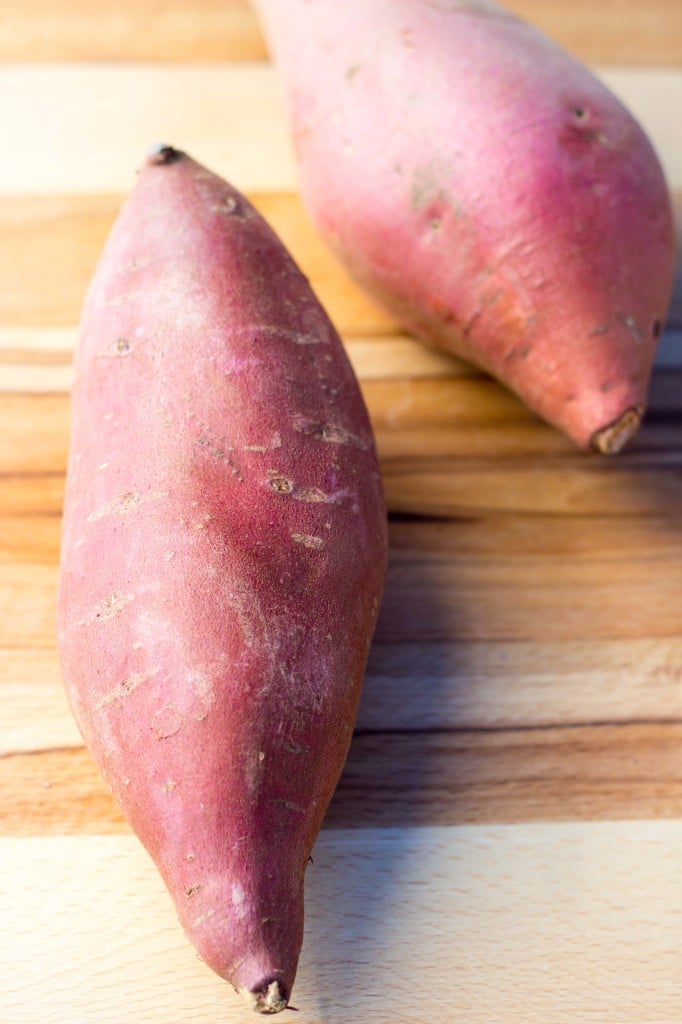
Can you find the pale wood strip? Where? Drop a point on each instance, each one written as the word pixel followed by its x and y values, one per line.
pixel 582 773
pixel 618 32
pixel 531 923
pixel 228 116
pixel 97 122
pixel 646 99
pixel 428 603
pixel 44 285
pixel 485 540
pixel 647 484
pixel 34 435
pixel 35 712
pixel 33 539
pixel 31 494
pixel 29 591
pixel 36 378
pixel 622 32
pixel 38 360
pixel 422 686
pixel 459 599
pixel 489 537
pixel 462 486
pixel 42 367
pixel 42 345
pixel 428 420
pixel 485 543
pixel 455 685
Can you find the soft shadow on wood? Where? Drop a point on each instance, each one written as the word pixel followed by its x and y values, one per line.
pixel 379 804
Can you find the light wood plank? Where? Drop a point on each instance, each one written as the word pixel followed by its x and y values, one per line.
pixel 484 541
pixel 526 923
pixel 35 712
pixel 575 535
pixel 38 360
pixel 44 285
pixel 97 122
pixel 646 99
pixel 30 494
pixel 645 483
pixel 228 116
pixel 414 682
pixel 428 420
pixel 455 599
pixel 460 487
pixel 423 686
pixel 489 685
pixel 621 31
pixel 617 32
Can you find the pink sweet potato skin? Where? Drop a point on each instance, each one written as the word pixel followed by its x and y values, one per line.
pixel 487 189
pixel 224 550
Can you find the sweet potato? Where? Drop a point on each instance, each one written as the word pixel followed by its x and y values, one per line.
pixel 490 191
pixel 224 548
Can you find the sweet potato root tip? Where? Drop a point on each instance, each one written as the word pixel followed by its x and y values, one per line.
pixel 613 438
pixel 162 153
pixel 268 997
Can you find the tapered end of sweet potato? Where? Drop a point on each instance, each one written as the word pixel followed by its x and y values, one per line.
pixel 610 440
pixel 162 153
pixel 268 997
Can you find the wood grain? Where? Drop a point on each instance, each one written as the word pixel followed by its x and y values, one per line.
pixel 422 686
pixel 519 924
pixel 455 587
pixel 504 845
pixel 448 445
pixel 415 778
pixel 620 32
pixel 44 284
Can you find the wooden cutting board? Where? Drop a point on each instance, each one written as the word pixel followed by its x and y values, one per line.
pixel 505 846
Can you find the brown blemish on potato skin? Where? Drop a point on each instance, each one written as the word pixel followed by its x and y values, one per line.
pixel 128 502
pixel 311 494
pixel 308 540
pixel 127 686
pixel 331 433
pixel 108 608
pixel 280 484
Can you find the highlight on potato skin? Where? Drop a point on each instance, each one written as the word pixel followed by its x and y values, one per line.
pixel 223 559
pixel 489 191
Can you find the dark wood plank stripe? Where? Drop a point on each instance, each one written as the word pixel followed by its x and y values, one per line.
pixel 621 32
pixel 450 778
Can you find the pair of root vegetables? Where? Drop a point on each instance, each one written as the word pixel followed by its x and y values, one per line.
pixel 224 544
